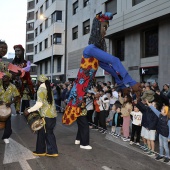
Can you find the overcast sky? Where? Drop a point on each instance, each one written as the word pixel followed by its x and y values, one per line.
pixel 13 22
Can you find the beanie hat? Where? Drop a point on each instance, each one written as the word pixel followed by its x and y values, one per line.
pixel 42 78
pixel 19 46
pixel 166 85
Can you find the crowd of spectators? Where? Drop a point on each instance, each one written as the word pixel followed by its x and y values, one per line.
pixel 137 121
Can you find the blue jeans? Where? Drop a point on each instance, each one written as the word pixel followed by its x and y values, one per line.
pixel 118 130
pixel 163 144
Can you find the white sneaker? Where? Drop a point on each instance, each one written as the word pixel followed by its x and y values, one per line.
pixel 85 147
pixel 14 114
pixel 6 140
pixel 137 144
pixel 77 142
pixel 131 143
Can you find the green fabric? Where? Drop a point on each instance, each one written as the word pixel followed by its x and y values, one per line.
pixel 26 94
pixel 46 110
pixel 11 91
pixel 4 66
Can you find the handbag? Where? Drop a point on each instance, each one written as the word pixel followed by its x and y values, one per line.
pixel 83 109
pixel 83 112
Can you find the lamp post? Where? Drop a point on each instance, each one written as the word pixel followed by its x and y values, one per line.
pixel 52 54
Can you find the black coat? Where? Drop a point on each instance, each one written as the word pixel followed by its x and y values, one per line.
pixel 119 120
pixel 149 119
pixel 163 128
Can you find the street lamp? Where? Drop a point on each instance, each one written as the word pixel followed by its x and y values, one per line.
pixel 52 57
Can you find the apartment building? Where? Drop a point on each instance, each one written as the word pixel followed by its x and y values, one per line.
pixel 138 35
pixel 49 38
pixel 29 49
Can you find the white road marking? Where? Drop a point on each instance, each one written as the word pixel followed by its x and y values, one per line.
pixel 106 168
pixel 15 152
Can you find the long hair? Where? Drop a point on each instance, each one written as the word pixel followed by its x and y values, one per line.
pixel 95 36
pixel 49 92
pixel 129 100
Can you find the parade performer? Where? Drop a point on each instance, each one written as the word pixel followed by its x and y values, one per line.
pixel 8 95
pixel 94 55
pixel 26 66
pixel 4 65
pixel 46 105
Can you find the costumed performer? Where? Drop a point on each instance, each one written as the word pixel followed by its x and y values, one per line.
pixel 26 66
pixel 8 95
pixel 46 105
pixel 94 55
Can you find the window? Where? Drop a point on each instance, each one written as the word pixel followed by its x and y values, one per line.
pixel 46 4
pixel 135 2
pixel 40 28
pixel 36 15
pixel 53 17
pixel 46 67
pixel 58 15
pixel 51 39
pixel 30 36
pixel 120 49
pixel 75 7
pixel 30 47
pixel 40 46
pixel 53 1
pixel 36 1
pixel 30 25
pixel 30 57
pixel 30 15
pixel 86 2
pixel 36 32
pixel 111 6
pixel 41 10
pixel 30 4
pixel 36 49
pixel 75 32
pixel 59 64
pixel 150 43
pixel 57 38
pixel 46 23
pixel 46 43
pixel 33 69
pixel 86 27
pixel 41 68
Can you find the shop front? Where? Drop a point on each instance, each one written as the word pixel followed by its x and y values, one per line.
pixel 149 74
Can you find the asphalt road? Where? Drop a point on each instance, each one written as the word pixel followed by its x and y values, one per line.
pixel 108 153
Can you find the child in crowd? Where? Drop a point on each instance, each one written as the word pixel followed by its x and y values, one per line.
pixel 163 130
pixel 110 117
pixel 136 125
pixel 96 111
pixel 117 121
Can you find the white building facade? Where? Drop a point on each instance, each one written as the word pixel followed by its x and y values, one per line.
pixel 49 38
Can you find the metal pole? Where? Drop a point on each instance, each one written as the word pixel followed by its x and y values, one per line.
pixel 52 55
